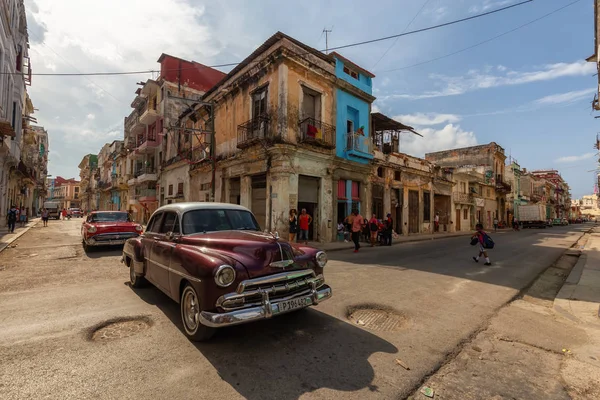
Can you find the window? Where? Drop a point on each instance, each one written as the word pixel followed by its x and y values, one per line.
pixel 355 191
pixel 351 72
pixel 259 103
pixel 170 190
pixel 170 223
pixel 14 116
pixel 487 192
pixel 397 175
pixel 380 172
pixel 180 188
pixel 311 103
pixel 465 214
pixel 210 220
pixel 463 187
pixel 426 207
pixel 341 190
pixel 349 126
pixel 205 186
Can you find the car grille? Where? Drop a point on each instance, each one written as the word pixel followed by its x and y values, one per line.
pixel 105 237
pixel 279 287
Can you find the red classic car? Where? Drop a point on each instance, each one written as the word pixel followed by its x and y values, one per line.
pixel 104 228
pixel 213 259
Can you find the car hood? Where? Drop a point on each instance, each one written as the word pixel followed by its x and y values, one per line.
pixel 256 251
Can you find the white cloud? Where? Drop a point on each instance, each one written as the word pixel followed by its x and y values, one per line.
pixel 570 159
pixel 427 119
pixel 477 80
pixel 568 97
pixel 488 5
pixel 375 108
pixel 449 137
pixel 501 68
pixel 91 116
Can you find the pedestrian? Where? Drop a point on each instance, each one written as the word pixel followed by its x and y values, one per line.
pixel 293 221
pixel 341 230
pixel 304 221
pixel 387 230
pixel 495 224
pixel 515 224
pixel 481 237
pixel 64 214
pixel 11 218
pixel 357 226
pixel 373 229
pixel 436 221
pixel 23 216
pixel 45 216
pixel 348 221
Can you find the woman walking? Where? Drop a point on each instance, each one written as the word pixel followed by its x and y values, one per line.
pixel 45 216
pixel 293 225
pixel 373 229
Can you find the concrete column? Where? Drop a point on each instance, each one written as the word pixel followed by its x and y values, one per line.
pixel 280 199
pixel 387 200
pixel 431 208
pixel 366 199
pixel 405 211
pixel 421 211
pixel 327 225
pixel 245 190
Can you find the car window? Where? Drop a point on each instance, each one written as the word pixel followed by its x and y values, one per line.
pixel 168 222
pixel 197 221
pixel 154 224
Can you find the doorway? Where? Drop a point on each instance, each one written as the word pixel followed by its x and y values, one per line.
pixel 234 191
pixel 458 219
pixel 258 203
pixel 413 211
pixel 377 197
pixel 308 197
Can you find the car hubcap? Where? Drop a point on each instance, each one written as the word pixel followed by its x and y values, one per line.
pixel 190 310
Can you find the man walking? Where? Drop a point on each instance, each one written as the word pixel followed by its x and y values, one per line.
pixel 495 224
pixel 480 236
pixel 437 222
pixel 12 219
pixel 304 221
pixel 357 226
pixel 387 230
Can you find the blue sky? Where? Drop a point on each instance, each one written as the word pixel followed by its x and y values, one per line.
pixel 529 91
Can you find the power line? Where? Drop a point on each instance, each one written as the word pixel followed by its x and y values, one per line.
pixel 405 29
pixel 484 41
pixel 333 48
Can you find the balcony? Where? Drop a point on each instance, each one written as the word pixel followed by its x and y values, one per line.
pixel 255 131
pixel 105 185
pixel 122 181
pixel 145 195
pixel 317 133
pixel 462 198
pixel 536 198
pixel 150 114
pixel 503 187
pixel 146 144
pixel 145 174
pixel 358 145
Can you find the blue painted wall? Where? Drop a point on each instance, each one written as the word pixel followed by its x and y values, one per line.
pixel 350 107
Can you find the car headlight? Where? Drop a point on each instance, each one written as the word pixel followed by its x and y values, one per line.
pixel 225 275
pixel 321 258
pixel 91 229
pixel 138 228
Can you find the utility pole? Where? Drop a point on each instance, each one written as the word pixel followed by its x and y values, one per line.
pixel 326 32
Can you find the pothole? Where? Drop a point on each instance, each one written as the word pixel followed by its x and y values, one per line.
pixel 377 318
pixel 119 328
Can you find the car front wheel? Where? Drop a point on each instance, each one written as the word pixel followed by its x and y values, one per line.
pixel 190 316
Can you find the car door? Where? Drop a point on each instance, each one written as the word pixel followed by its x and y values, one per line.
pixel 162 248
pixel 148 238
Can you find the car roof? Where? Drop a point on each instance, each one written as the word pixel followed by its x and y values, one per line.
pixel 189 206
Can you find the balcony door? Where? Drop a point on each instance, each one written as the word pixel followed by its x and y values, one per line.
pixel 259 112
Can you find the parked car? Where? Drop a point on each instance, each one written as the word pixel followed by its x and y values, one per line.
pixel 564 221
pixel 550 223
pixel 108 228
pixel 215 262
pixel 557 222
pixel 75 212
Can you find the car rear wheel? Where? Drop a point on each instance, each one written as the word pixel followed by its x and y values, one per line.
pixel 135 281
pixel 190 316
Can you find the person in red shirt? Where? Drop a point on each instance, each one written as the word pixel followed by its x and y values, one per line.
pixel 304 220
pixel 357 225
pixel 373 228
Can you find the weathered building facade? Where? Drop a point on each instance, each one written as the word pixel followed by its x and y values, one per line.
pixel 487 160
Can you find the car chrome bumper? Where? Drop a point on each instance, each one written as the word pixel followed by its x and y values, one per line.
pixel 119 242
pixel 267 310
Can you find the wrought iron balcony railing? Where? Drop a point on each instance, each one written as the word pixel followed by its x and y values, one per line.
pixel 359 143
pixel 254 131
pixel 144 170
pixel 316 132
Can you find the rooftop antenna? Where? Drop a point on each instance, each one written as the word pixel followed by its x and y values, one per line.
pixel 327 32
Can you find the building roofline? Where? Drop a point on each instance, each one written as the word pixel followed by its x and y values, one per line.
pixel 352 64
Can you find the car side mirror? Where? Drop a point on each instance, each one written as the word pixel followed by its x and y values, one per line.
pixel 172 236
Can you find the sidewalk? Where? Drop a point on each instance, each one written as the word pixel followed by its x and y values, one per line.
pixel 7 238
pixel 579 298
pixel 338 246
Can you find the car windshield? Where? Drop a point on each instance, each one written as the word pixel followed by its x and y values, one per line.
pixel 110 217
pixel 210 220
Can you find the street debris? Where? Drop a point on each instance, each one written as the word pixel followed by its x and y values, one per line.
pixel 360 322
pixel 477 349
pixel 427 391
pixel 402 364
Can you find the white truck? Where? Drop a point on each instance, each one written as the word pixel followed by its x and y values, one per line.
pixel 532 216
pixel 53 208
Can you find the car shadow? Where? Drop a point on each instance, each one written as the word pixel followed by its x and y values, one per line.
pixel 103 251
pixel 287 356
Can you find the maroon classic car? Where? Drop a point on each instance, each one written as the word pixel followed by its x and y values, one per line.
pixel 215 262
pixel 107 228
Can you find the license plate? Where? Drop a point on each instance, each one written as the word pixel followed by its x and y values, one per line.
pixel 293 304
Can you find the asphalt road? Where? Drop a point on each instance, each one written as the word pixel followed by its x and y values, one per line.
pixel 52 295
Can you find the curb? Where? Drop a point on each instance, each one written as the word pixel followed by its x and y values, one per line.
pixel 416 239
pixel 33 223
